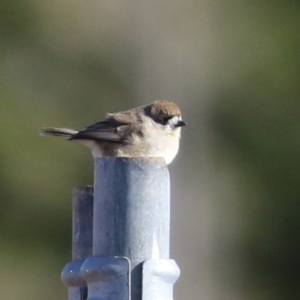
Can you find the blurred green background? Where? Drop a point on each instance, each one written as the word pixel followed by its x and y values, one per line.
pixel 234 69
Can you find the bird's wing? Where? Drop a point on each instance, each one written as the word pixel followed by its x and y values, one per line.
pixel 114 128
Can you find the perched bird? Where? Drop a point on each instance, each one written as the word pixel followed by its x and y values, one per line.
pixel 149 130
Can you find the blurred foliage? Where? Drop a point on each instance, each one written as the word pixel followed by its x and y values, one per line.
pixel 256 118
pixel 233 66
pixel 17 20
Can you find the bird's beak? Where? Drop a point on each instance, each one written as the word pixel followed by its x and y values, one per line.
pixel 180 124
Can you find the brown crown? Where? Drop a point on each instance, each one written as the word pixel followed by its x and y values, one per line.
pixel 166 108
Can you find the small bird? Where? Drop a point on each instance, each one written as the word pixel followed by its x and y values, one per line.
pixel 149 130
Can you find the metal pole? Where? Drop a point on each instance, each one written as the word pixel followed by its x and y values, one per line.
pixel 82 242
pixel 132 208
pixel 131 231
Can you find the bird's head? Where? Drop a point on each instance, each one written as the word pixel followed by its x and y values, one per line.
pixel 166 115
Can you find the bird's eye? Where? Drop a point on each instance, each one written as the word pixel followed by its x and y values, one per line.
pixel 164 120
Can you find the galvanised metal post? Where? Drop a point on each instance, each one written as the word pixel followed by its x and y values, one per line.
pixel 131 231
pixel 82 243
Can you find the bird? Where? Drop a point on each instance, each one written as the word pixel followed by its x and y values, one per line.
pixel 151 130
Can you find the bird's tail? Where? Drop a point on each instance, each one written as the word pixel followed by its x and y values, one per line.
pixel 62 132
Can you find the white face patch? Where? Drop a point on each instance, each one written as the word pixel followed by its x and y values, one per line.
pixel 174 121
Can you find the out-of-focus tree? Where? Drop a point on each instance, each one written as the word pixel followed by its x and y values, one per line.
pixel 232 66
pixel 256 117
